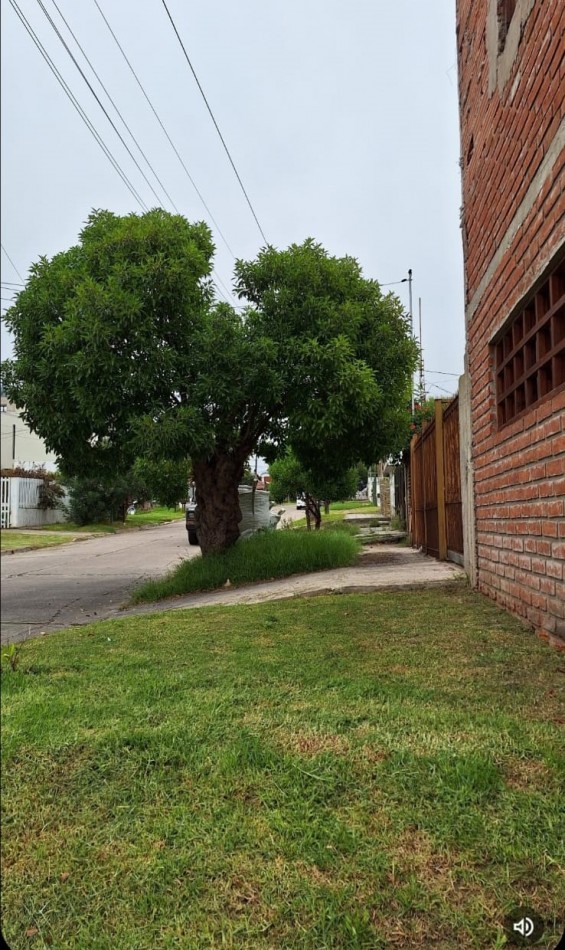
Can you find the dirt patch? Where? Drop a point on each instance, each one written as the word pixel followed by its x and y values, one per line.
pixel 314 743
pixel 372 555
pixel 527 775
pixel 314 875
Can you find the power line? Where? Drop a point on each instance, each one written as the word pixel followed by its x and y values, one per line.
pixel 109 97
pixel 85 118
pixel 440 372
pixel 10 284
pixel 448 391
pixel 13 265
pixel 64 85
pixel 104 110
pixel 53 25
pixel 155 113
pixel 227 151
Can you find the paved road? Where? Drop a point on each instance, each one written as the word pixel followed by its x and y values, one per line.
pixel 86 580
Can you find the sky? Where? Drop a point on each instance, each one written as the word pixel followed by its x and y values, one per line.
pixel 341 119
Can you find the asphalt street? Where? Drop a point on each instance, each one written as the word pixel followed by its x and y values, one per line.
pixel 91 579
pixel 86 580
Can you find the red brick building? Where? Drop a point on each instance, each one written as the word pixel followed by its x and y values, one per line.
pixel 512 112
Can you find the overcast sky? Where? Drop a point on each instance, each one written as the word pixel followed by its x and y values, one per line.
pixel 341 117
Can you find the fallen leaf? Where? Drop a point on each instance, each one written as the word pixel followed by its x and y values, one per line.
pixel 64 876
pixel 32 931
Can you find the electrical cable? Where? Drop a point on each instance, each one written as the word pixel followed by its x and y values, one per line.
pixel 13 265
pixel 227 151
pixel 155 113
pixel 85 118
pixel 52 23
pixel 64 85
pixel 440 372
pixel 104 110
pixel 65 21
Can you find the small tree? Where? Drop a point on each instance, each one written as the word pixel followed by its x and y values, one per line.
pixel 290 478
pixel 166 480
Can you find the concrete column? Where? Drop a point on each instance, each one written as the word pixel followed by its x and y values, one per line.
pixel 467 480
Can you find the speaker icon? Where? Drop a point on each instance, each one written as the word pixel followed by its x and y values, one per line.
pixel 525 926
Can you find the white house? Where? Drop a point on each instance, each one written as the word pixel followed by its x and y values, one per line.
pixel 21 448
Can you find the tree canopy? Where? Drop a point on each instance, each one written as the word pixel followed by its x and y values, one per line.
pixel 122 351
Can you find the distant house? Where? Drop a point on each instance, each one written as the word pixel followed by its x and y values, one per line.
pixel 512 118
pixel 21 448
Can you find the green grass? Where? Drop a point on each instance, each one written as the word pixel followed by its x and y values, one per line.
pixel 352 505
pixel 155 516
pixel 337 516
pixel 264 556
pixel 86 528
pixel 12 540
pixel 378 771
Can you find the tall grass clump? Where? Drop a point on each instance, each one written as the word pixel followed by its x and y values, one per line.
pixel 264 556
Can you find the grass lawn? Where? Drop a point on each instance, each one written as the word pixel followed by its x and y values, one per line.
pixel 155 516
pixel 264 556
pixel 353 505
pixel 11 540
pixel 85 528
pixel 377 771
pixel 336 517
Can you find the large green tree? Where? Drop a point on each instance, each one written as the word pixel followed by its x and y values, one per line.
pixel 121 351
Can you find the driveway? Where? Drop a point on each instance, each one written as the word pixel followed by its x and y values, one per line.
pixel 86 580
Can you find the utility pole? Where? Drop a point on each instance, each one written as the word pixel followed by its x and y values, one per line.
pixel 411 330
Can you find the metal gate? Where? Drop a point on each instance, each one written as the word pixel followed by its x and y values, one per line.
pixel 437 522
pixel 5 493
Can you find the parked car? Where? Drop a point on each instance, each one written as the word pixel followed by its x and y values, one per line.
pixel 255 511
pixel 300 502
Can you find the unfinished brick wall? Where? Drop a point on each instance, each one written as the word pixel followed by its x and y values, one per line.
pixel 512 113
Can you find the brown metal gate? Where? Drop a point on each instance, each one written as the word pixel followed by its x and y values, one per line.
pixel 437 525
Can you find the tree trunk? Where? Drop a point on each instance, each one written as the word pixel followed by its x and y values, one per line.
pixel 218 513
pixel 326 507
pixel 313 512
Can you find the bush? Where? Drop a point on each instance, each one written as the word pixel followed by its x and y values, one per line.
pixel 51 494
pixel 92 501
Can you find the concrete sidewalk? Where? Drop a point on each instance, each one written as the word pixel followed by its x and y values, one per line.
pixel 380 566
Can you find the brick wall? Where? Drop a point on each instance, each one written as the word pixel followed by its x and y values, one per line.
pixel 512 114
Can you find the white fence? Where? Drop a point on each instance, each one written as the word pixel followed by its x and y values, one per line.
pixel 20 497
